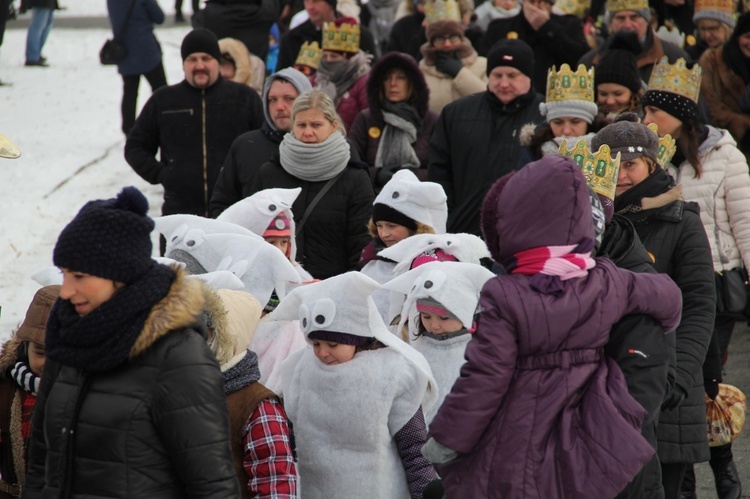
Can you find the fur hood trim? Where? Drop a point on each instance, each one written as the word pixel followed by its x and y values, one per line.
pixel 179 309
pixel 408 65
pixel 241 56
pixel 9 355
pixel 526 134
pixel 663 199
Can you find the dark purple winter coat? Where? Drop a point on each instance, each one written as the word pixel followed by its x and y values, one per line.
pixel 538 410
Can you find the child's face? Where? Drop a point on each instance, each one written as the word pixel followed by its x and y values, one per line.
pixel 36 357
pixel 282 243
pixel 333 353
pixel 436 324
pixel 391 233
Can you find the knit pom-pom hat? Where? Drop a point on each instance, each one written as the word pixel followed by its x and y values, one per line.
pixel 628 137
pixel 109 238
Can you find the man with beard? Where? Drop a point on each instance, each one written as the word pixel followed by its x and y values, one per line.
pixel 252 149
pixel 193 125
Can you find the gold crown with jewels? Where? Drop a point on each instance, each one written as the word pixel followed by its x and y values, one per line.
pixel 667 146
pixel 620 5
pixel 676 78
pixel 309 55
pixel 439 10
pixel 566 85
pixel 599 168
pixel 344 38
pixel 576 8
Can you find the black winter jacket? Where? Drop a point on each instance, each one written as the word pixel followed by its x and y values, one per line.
pixel 248 153
pixel 193 129
pixel 558 41
pixel 336 231
pixel 156 426
pixel 248 22
pixel 291 42
pixel 644 353
pixel 675 236
pixel 474 143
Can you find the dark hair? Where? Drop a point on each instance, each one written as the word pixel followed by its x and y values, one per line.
pixel 688 144
pixel 372 344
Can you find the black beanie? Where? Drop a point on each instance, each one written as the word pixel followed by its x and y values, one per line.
pixel 618 63
pixel 384 213
pixel 511 52
pixel 108 238
pixel 201 40
pixel 682 108
pixel 332 3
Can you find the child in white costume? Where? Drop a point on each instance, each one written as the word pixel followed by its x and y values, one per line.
pixel 441 332
pixel 355 399
pixel 405 207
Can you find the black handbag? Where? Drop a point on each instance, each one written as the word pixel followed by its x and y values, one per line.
pixel 731 292
pixel 113 51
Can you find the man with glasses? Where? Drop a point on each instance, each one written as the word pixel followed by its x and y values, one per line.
pixel 555 39
pixel 452 68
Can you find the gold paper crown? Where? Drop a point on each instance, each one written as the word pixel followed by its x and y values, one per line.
pixel 676 78
pixel 309 55
pixel 667 146
pixel 439 10
pixel 341 39
pixel 566 85
pixel 599 168
pixel 576 8
pixel 8 149
pixel 620 5
pixel 726 6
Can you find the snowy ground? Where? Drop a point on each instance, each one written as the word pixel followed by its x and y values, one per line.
pixel 66 121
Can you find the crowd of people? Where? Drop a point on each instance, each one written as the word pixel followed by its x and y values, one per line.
pixel 428 249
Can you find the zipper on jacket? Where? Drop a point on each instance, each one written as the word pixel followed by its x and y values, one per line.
pixel 177 111
pixel 205 154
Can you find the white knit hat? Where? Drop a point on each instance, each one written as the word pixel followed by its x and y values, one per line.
pixel 573 108
pixel 423 202
pixel 455 285
pixel 342 304
pixel 256 212
pixel 466 248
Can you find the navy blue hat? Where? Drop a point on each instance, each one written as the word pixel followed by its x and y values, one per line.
pixel 109 238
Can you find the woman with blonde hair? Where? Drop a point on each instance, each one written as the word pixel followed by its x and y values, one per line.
pixel 332 211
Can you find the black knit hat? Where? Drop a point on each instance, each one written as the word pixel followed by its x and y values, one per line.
pixel 511 52
pixel 343 338
pixel 618 63
pixel 201 40
pixel 384 213
pixel 682 108
pixel 109 238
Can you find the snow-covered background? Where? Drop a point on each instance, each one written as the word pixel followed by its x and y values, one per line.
pixel 66 121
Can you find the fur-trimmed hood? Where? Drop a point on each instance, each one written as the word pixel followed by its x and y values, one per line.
pixel 241 56
pixel 406 63
pixel 182 307
pixel 233 318
pixel 9 355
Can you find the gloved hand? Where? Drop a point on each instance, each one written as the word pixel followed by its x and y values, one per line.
pixel 712 388
pixel 384 174
pixel 447 63
pixel 675 398
pixel 438 453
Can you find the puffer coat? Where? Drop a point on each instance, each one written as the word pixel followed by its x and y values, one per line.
pixel 143 50
pixel 538 410
pixel 157 426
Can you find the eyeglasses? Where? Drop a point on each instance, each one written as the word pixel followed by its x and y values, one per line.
pixel 439 41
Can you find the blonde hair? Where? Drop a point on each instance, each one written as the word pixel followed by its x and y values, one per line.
pixel 318 99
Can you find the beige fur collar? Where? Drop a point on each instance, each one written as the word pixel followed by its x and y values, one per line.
pixel 663 199
pixel 179 309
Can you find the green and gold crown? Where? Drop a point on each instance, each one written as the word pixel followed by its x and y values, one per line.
pixel 576 8
pixel 344 38
pixel 620 5
pixel 676 78
pixel 309 55
pixel 566 85
pixel 439 10
pixel 599 168
pixel 667 146
pixel 725 6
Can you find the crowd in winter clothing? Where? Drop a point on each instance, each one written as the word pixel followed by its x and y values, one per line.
pixel 434 249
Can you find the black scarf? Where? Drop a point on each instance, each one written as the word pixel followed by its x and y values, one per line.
pixel 404 111
pixel 629 202
pixel 242 374
pixel 102 339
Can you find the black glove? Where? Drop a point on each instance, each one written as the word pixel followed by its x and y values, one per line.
pixel 447 63
pixel 675 398
pixel 712 388
pixel 384 174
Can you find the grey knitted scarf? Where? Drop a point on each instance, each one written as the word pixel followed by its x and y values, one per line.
pixel 245 372
pixel 395 147
pixel 314 162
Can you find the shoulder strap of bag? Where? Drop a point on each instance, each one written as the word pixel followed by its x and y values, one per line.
pixel 316 199
pixel 127 18
pixel 722 257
